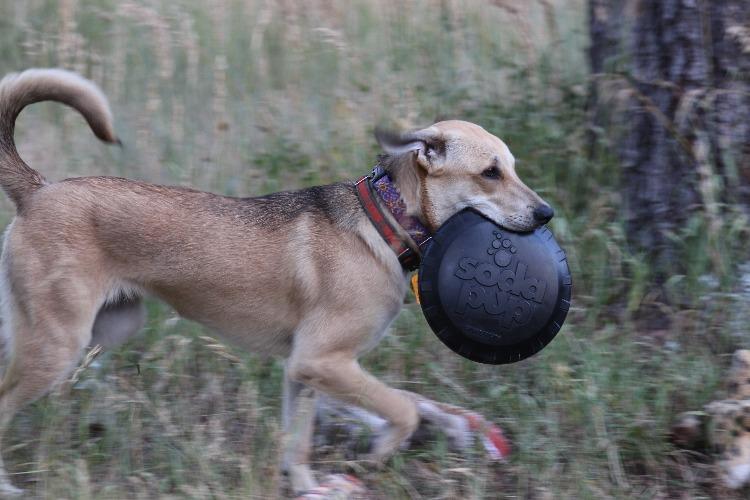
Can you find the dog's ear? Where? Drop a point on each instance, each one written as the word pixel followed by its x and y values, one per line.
pixel 426 145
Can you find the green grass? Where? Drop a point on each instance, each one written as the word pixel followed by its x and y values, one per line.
pixel 250 97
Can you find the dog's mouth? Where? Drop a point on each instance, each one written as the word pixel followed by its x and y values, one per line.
pixel 517 223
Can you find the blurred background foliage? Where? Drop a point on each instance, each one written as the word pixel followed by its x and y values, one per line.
pixel 249 97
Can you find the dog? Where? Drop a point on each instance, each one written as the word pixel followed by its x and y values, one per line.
pixel 304 275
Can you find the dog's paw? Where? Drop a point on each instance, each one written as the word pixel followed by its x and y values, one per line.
pixel 336 487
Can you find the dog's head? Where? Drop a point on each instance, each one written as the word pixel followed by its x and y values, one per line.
pixel 454 165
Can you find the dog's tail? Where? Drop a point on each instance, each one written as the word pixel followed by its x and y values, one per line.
pixel 17 91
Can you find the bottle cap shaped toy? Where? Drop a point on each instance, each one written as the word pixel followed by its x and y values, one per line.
pixel 492 295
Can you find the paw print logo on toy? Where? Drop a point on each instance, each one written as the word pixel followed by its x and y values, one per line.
pixel 502 248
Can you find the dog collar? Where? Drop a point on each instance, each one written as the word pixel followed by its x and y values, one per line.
pixel 408 249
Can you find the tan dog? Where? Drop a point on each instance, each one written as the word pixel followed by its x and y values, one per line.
pixel 303 275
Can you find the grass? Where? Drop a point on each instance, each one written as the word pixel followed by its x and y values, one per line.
pixel 251 97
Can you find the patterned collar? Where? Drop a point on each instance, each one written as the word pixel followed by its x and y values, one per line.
pixel 409 250
pixel 393 201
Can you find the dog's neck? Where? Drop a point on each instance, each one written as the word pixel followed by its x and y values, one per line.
pixel 387 209
pixel 394 200
pixel 405 177
pixel 406 182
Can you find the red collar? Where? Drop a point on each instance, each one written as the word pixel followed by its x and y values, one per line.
pixel 409 248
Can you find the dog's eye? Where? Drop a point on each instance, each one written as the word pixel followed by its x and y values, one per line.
pixel 491 173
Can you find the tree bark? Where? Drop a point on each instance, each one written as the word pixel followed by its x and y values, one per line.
pixel 686 125
pixel 730 120
pixel 606 23
pixel 606 26
pixel 659 174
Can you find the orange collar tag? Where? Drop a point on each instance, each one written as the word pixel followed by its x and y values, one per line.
pixel 415 286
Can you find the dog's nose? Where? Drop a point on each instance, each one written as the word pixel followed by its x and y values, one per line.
pixel 543 213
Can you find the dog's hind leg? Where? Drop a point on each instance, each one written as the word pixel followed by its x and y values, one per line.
pixel 50 329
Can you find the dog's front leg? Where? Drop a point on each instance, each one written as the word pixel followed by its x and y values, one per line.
pixel 298 418
pixel 339 375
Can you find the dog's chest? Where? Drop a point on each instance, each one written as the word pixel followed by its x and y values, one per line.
pixel 389 310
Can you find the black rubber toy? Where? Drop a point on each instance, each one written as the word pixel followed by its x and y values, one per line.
pixel 492 295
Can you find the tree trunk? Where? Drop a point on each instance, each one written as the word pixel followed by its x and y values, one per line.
pixel 730 121
pixel 606 23
pixel 606 27
pixel 686 123
pixel 659 173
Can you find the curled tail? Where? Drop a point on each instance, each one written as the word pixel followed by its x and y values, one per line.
pixel 17 91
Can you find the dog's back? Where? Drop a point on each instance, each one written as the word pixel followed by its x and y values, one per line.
pixel 131 237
